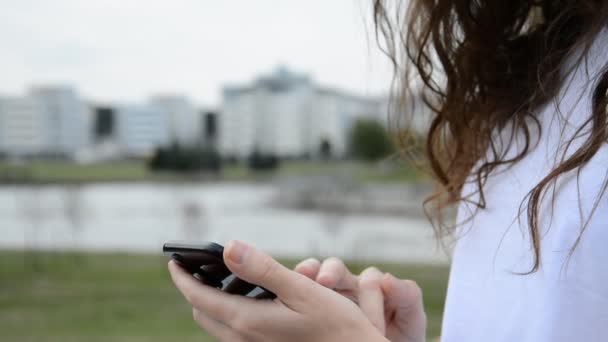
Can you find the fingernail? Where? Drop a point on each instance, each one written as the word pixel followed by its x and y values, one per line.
pixel 237 252
pixel 311 262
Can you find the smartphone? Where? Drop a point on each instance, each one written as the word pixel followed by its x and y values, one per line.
pixel 205 261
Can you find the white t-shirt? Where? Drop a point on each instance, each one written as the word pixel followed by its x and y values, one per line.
pixel 567 299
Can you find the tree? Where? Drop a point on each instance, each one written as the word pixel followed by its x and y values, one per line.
pixel 369 141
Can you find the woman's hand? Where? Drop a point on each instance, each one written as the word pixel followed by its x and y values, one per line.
pixel 302 311
pixel 393 305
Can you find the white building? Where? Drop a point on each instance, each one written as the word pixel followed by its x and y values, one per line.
pixel 185 123
pixel 286 114
pixel 69 120
pixel 237 122
pixel 48 121
pixel 140 129
pixel 23 127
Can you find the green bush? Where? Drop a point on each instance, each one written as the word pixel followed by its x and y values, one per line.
pixel 185 159
pixel 370 141
pixel 263 162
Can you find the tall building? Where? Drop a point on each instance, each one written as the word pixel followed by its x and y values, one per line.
pixel 139 129
pixel 69 120
pixel 50 120
pixel 185 122
pixel 24 127
pixel 288 115
pixel 282 104
pixel 237 122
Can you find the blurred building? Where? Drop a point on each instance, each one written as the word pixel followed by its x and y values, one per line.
pixel 23 127
pixel 136 130
pixel 140 129
pixel 288 115
pixel 269 116
pixel 185 122
pixel 237 123
pixel 69 120
pixel 49 121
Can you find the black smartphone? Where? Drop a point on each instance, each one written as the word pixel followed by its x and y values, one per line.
pixel 205 261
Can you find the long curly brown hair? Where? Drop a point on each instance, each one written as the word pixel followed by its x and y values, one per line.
pixel 483 65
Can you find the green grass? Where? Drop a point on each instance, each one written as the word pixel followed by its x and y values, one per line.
pixel 359 171
pixel 116 297
pixel 60 171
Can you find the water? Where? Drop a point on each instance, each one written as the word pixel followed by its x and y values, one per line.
pixel 140 217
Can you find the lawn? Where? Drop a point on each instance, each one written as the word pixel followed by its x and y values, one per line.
pixel 62 171
pixel 117 297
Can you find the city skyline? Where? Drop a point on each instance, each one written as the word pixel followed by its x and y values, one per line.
pixel 121 52
pixel 282 113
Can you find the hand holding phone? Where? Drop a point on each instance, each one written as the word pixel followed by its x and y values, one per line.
pixel 205 261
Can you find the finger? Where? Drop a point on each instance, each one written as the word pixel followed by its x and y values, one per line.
pixel 371 297
pixel 309 267
pixel 216 304
pixel 213 327
pixel 335 275
pixel 259 268
pixel 404 299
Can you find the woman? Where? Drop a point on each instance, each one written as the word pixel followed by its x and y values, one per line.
pixel 518 141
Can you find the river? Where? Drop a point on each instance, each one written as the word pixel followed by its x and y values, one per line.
pixel 140 217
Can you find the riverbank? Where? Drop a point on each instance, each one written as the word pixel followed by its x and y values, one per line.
pixel 117 297
pixel 52 172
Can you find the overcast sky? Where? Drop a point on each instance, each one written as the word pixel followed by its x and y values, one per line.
pixel 126 50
